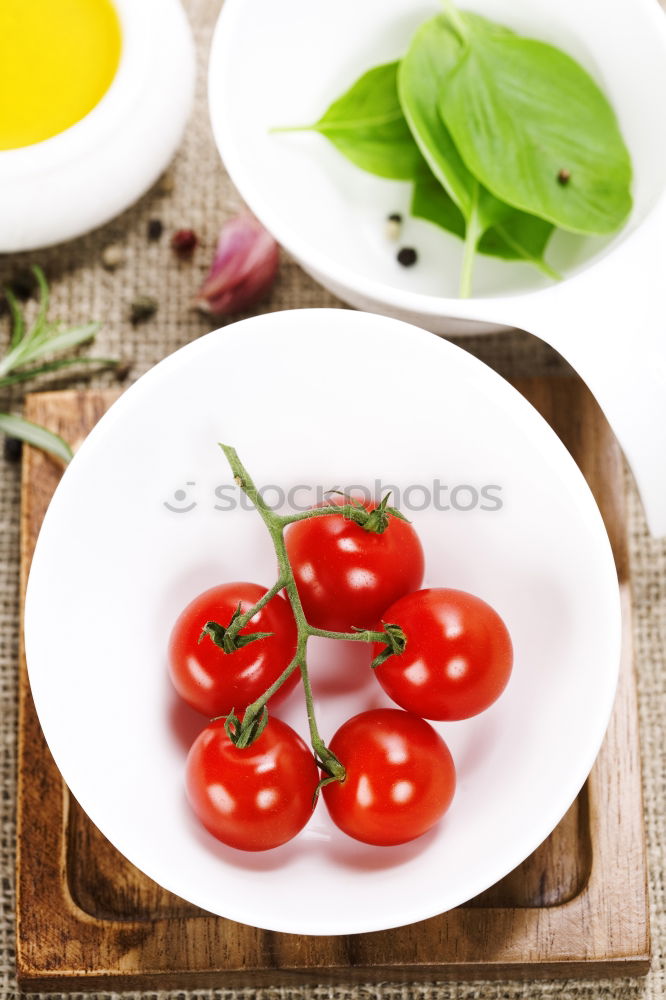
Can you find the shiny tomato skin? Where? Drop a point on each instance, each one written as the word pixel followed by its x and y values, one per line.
pixel 256 798
pixel 214 682
pixel 346 576
pixel 400 777
pixel 458 657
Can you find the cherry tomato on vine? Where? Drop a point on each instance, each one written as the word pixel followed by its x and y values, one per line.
pixel 400 777
pixel 458 656
pixel 346 575
pixel 255 798
pixel 215 682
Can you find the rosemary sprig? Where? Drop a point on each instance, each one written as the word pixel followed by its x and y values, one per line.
pixel 30 344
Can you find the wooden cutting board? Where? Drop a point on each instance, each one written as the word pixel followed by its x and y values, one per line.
pixel 87 919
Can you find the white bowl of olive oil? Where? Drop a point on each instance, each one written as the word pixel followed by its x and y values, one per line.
pixel 94 96
pixel 284 64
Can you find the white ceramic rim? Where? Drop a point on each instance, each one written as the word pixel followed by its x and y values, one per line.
pixel 411 909
pixel 150 97
pixel 334 273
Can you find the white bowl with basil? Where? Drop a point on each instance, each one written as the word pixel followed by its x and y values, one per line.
pixel 278 66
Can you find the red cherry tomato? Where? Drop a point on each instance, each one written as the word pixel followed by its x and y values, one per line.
pixel 346 575
pixel 256 798
pixel 214 682
pixel 400 777
pixel 458 656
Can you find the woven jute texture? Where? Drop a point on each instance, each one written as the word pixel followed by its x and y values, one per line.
pixel 196 194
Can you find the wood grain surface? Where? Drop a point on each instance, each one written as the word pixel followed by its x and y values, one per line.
pixel 87 919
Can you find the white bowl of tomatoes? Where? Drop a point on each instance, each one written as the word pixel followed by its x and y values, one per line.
pixel 149 517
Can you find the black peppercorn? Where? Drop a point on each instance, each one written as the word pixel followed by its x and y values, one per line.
pixel 13 449
pixel 407 256
pixel 155 229
pixel 142 308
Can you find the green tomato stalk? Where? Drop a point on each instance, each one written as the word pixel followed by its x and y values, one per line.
pixel 255 717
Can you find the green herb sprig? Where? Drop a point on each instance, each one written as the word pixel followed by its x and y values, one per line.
pixel 24 360
pixel 503 138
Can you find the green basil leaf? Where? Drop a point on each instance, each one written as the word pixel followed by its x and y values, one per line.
pixel 367 126
pixel 520 237
pixel 516 236
pixel 432 202
pixel 521 111
pixel 434 51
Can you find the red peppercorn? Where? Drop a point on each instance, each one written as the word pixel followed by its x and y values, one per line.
pixel 184 241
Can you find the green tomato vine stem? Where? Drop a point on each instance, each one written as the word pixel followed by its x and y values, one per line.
pixel 276 525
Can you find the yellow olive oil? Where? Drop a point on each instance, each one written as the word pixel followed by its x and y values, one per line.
pixel 57 60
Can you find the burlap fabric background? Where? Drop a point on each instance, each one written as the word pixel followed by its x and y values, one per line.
pixel 201 197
